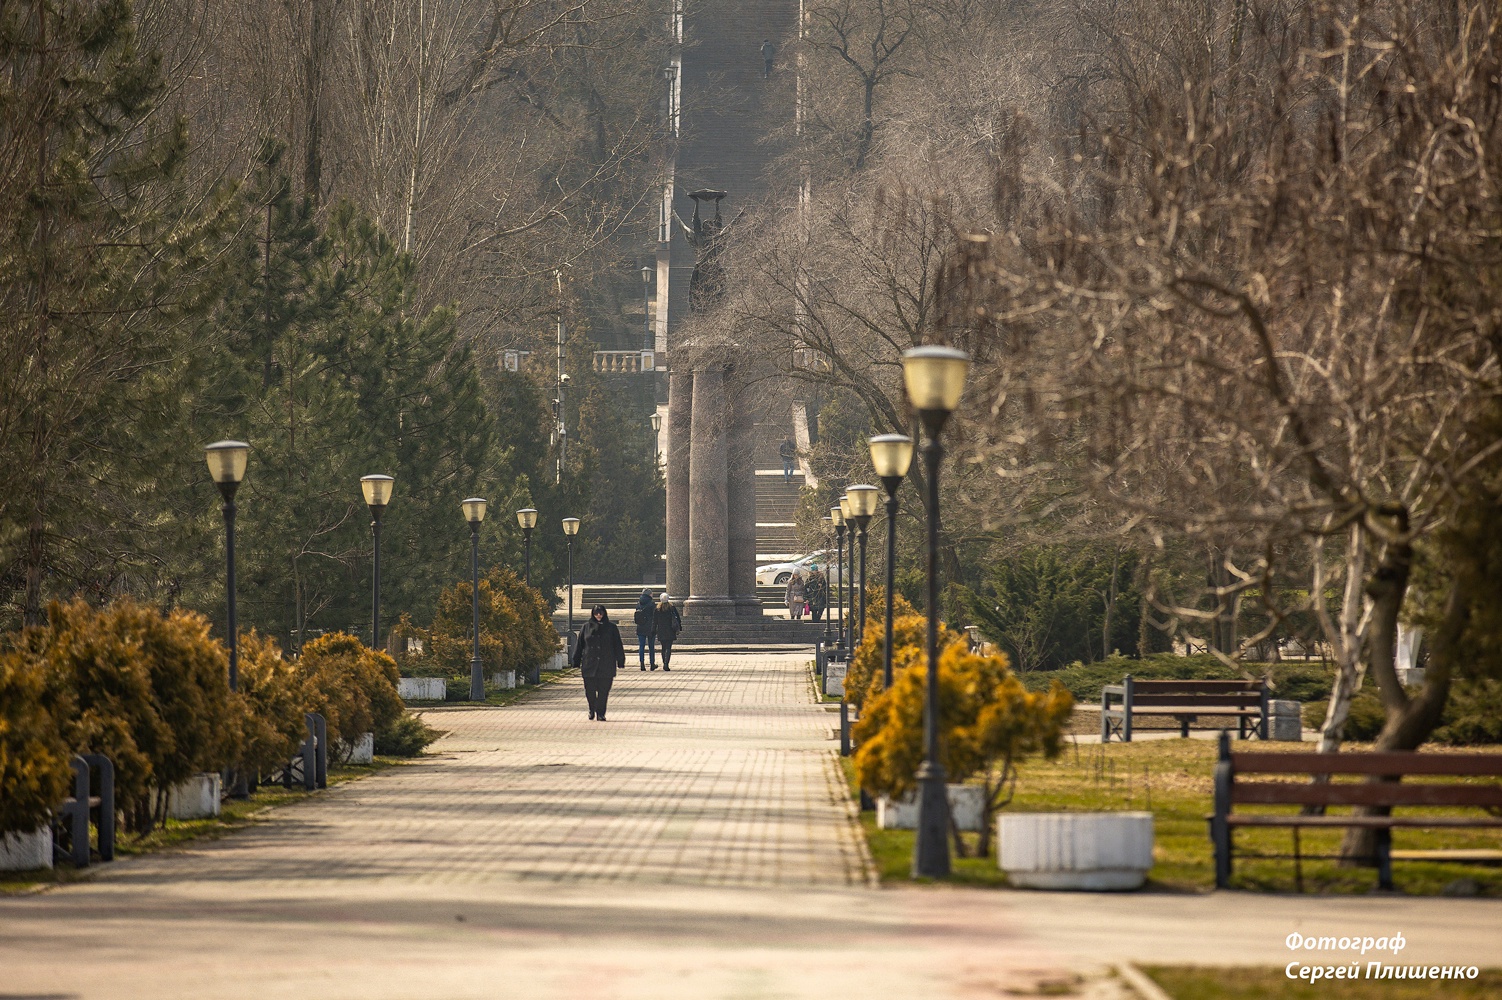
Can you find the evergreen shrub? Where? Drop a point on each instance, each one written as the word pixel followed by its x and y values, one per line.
pixel 353 686
pixel 33 757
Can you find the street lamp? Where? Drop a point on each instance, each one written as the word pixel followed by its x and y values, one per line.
pixel 837 515
pixel 828 526
pixel 377 490
pixel 656 432
pixel 891 455
pixel 862 507
pixel 850 637
pixel 226 461
pixel 474 513
pixel 570 529
pixel 935 379
pixel 527 518
pixel 646 305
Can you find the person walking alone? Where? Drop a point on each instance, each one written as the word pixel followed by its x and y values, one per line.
pixel 768 57
pixel 666 624
pixel 646 649
pixel 816 592
pixel 598 655
pixel 788 451
pixel 796 597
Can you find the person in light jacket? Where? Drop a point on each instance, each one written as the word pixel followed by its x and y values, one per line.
pixel 599 654
pixel 666 624
pixel 795 596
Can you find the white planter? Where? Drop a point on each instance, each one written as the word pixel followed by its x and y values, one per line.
pixel 195 798
pixel 1285 720
pixel 421 688
pixel 1091 851
pixel 364 751
pixel 503 679
pixel 834 678
pixel 966 807
pixel 25 852
pixel 558 662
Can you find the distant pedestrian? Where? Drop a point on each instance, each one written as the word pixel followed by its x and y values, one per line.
pixel 666 624
pixel 816 592
pixel 599 654
pixel 789 453
pixel 646 649
pixel 796 596
pixel 768 56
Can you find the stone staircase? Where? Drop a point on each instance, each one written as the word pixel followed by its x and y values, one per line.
pixel 776 508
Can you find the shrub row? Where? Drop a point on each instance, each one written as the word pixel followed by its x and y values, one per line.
pixel 151 692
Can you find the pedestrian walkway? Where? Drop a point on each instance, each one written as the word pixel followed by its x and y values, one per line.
pixel 698 845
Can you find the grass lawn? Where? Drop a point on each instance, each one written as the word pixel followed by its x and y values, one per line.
pixel 1172 780
pixel 1183 983
pixel 234 814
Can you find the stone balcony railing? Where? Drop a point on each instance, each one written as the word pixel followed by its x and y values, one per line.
pixel 625 362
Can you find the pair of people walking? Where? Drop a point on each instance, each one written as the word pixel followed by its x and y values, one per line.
pixel 599 652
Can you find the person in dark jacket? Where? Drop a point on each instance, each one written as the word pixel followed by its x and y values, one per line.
pixel 666 624
pixel 816 592
pixel 646 649
pixel 599 654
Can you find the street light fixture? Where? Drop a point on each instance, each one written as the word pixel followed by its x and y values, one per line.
pixel 891 455
pixel 646 305
pixel 474 513
pixel 656 437
pixel 837 515
pixel 527 518
pixel 850 637
pixel 226 461
pixel 862 507
pixel 570 529
pixel 828 526
pixel 935 380
pixel 377 490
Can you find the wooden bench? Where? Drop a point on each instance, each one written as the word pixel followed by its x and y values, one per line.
pixel 1385 787
pixel 1188 701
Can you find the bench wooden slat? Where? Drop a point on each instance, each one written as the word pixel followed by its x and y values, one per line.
pixel 1365 822
pixel 1195 686
pixel 1384 793
pixel 1376 762
pixel 1141 703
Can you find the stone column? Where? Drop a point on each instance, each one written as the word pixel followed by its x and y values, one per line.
pixel 708 516
pixel 741 476
pixel 680 420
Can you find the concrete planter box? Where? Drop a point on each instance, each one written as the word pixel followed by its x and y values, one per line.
pixel 503 679
pixel 558 662
pixel 196 798
pixel 966 807
pixel 834 677
pixel 421 688
pixel 1285 720
pixel 1089 851
pixel 363 752
pixel 25 852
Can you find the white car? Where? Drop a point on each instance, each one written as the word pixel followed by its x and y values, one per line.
pixel 777 574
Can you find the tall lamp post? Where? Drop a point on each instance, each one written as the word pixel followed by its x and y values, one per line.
pixel 646 306
pixel 226 461
pixel 377 490
pixel 570 529
pixel 850 637
pixel 527 518
pixel 838 517
pixel 862 507
pixel 891 455
pixel 935 379
pixel 474 513
pixel 828 526
pixel 656 431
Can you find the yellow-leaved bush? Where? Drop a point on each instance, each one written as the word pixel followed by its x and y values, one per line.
pixel 988 724
pixel 33 756
pixel 909 645
pixel 353 686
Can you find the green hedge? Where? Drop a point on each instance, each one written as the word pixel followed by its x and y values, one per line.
pixel 1294 680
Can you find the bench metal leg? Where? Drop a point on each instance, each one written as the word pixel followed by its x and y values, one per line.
pixel 1298 863
pixel 1384 859
pixel 106 803
pixel 79 812
pixel 1183 727
pixel 844 729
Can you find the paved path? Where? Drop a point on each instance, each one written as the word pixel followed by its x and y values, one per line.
pixel 697 845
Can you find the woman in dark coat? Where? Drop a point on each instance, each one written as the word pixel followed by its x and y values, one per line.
pixel 666 623
pixel 599 654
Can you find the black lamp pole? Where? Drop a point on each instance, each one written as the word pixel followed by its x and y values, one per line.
pixel 891 456
pixel 935 378
pixel 570 529
pixel 227 490
pixel 476 665
pixel 377 490
pixel 827 592
pixel 527 547
pixel 839 577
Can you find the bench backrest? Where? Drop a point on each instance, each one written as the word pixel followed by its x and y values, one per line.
pixel 1393 765
pixel 1240 693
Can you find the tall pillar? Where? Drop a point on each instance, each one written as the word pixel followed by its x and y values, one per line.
pixel 708 517
pixel 741 478
pixel 680 420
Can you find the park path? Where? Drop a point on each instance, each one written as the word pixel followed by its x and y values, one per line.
pixel 699 845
